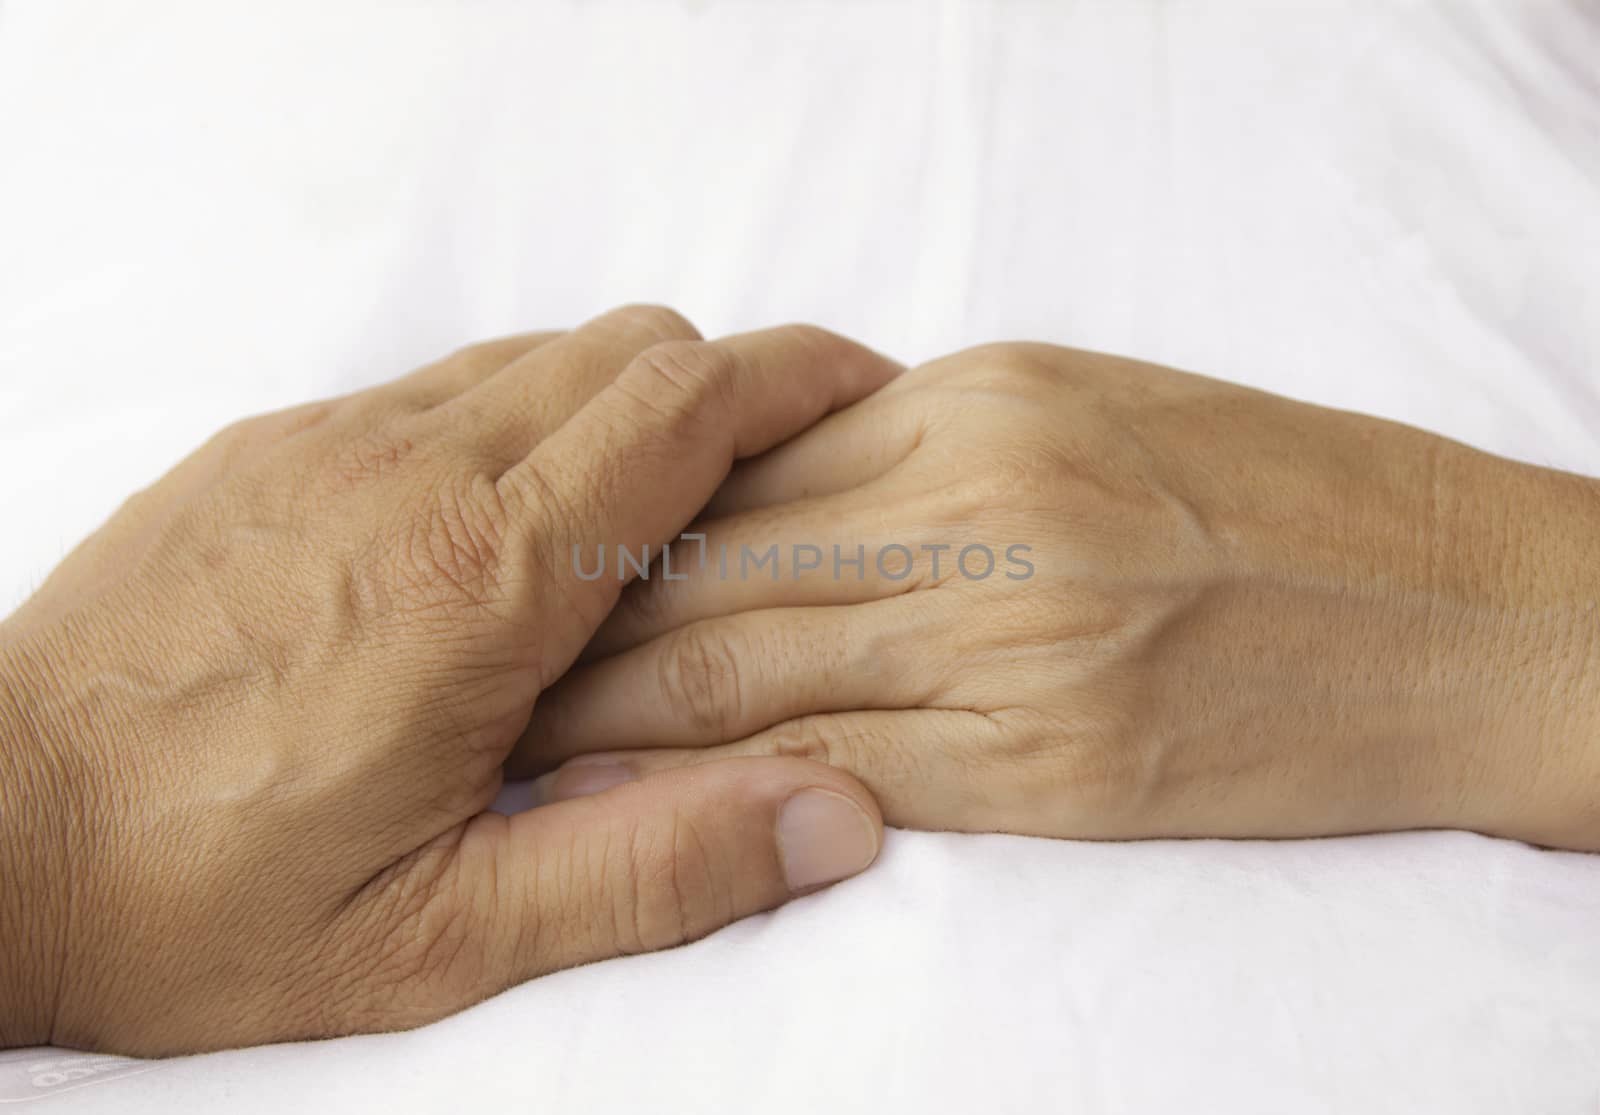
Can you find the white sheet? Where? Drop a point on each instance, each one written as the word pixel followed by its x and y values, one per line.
pixel 213 208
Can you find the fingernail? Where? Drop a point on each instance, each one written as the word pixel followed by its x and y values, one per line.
pixel 582 779
pixel 823 837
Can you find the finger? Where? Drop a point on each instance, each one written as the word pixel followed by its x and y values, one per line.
pixel 513 410
pixel 443 380
pixel 863 545
pixel 721 680
pixel 843 451
pixel 651 864
pixel 635 464
pixel 908 758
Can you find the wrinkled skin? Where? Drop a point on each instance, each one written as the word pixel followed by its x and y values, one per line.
pixel 1247 617
pixel 250 727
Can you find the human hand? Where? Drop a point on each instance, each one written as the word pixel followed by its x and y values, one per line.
pixel 1245 617
pixel 251 727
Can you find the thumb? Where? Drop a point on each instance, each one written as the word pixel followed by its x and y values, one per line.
pixel 651 864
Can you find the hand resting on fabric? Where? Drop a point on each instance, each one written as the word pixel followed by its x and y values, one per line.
pixel 1231 614
pixel 248 730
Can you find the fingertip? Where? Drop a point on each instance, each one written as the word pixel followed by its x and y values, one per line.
pixel 871 369
pixel 827 826
pixel 825 836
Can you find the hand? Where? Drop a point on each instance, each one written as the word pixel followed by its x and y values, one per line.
pixel 1237 615
pixel 254 723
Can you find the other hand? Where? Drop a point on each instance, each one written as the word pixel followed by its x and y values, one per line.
pixel 1233 615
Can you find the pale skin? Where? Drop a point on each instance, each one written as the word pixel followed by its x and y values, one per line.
pixel 1248 617
pixel 251 726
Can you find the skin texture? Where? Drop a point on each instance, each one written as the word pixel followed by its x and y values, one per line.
pixel 248 730
pixel 1248 617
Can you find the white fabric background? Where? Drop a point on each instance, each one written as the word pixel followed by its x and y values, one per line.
pixel 212 208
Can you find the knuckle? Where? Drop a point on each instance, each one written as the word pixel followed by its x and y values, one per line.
pixel 685 377
pixel 287 423
pixel 553 497
pixel 480 357
pixel 447 547
pixel 653 323
pixel 814 338
pixel 462 540
pixel 699 675
pixel 1007 370
pixel 368 457
pixel 804 738
pixel 245 439
pixel 1016 370
pixel 223 448
pixel 672 894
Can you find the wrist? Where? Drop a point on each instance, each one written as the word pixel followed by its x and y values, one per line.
pixel 1538 658
pixel 34 819
pixel 1569 745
